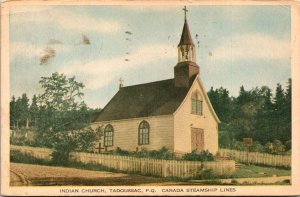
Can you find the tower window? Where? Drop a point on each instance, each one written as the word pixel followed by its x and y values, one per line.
pixel 108 135
pixel 196 103
pixel 186 54
pixel 144 133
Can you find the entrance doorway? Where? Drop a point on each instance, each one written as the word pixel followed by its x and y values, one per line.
pixel 197 139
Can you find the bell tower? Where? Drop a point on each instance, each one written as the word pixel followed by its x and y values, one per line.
pixel 186 67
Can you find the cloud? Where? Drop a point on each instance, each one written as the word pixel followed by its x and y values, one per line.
pixel 29 50
pixel 84 24
pixel 101 72
pixel 26 50
pixel 252 46
pixel 65 19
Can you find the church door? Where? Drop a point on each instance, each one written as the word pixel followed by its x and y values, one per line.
pixel 197 139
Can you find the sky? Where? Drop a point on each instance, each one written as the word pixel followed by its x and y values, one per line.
pixel 235 46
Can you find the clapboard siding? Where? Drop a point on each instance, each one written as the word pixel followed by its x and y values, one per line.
pixel 184 120
pixel 126 132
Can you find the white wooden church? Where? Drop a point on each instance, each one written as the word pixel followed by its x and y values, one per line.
pixel 175 113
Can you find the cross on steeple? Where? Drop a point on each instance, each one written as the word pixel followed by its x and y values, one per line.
pixel 185 11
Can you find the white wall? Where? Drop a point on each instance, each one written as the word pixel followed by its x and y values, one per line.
pixel 126 132
pixel 184 120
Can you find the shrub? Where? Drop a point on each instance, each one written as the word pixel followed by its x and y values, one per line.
pixel 275 147
pixel 60 157
pixel 195 156
pixel 162 153
pixel 120 151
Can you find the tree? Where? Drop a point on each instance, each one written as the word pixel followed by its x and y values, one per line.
pixel 63 116
pixel 13 112
pixel 61 93
pixel 287 114
pixel 25 110
pixel 222 103
pixel 34 110
pixel 20 111
pixel 264 118
pixel 279 130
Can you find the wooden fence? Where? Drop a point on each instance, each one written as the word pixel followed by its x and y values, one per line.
pixel 157 167
pixel 40 153
pixel 257 158
pixel 144 166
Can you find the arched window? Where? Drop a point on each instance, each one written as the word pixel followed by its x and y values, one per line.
pixel 109 135
pixel 196 103
pixel 144 133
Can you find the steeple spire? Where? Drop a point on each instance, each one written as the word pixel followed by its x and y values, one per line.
pixel 186 38
pixel 186 46
pixel 186 68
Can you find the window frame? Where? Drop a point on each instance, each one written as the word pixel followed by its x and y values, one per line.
pixel 142 140
pixel 197 104
pixel 107 137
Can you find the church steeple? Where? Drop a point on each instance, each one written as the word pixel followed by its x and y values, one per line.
pixel 186 46
pixel 186 68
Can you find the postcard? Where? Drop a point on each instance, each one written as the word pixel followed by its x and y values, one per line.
pixel 160 98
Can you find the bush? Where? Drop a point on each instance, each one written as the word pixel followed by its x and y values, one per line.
pixel 120 151
pixel 162 153
pixel 275 147
pixel 60 157
pixel 195 156
pixel 257 147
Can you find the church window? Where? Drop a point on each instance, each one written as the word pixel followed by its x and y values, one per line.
pixel 108 135
pixel 197 103
pixel 144 133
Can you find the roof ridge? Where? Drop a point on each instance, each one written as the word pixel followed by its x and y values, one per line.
pixel 153 82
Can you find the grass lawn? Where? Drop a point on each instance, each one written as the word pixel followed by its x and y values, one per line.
pixel 246 171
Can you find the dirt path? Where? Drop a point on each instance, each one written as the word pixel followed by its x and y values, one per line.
pixel 17 179
pixel 28 174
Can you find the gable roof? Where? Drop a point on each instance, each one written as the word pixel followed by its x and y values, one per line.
pixel 210 107
pixel 149 99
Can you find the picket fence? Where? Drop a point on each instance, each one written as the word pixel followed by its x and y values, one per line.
pixel 157 167
pixel 39 153
pixel 257 158
pixel 143 166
